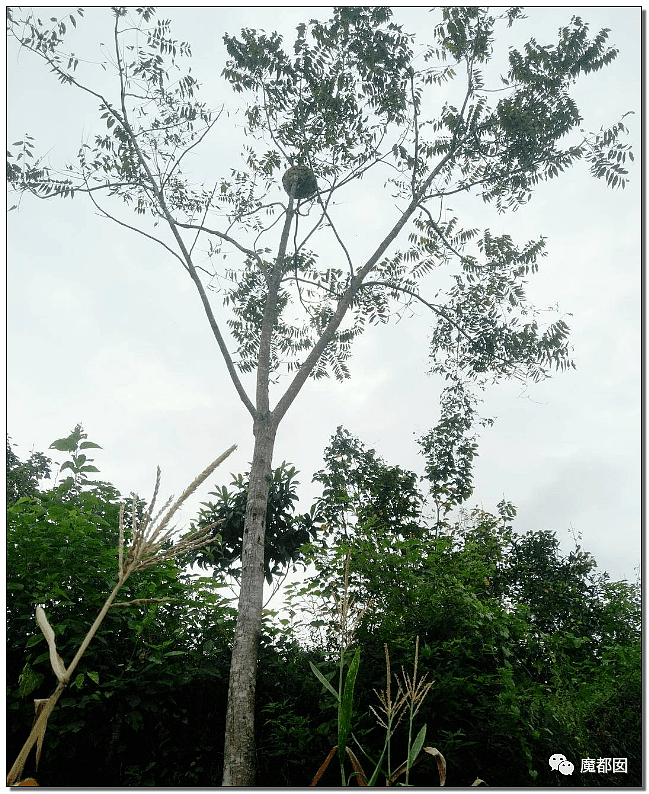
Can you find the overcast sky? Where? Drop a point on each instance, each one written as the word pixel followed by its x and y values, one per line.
pixel 106 330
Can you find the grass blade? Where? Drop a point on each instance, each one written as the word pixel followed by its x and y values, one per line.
pixel 323 681
pixel 416 747
pixel 345 709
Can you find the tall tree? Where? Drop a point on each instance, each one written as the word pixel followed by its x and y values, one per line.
pixel 346 99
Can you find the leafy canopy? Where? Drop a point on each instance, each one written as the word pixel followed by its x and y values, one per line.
pixel 348 100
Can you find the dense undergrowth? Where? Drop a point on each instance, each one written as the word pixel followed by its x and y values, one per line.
pixel 531 652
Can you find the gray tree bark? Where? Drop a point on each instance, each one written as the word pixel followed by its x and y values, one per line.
pixel 239 752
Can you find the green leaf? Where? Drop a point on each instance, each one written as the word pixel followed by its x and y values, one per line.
pixel 94 677
pixel 29 680
pixel 345 708
pixel 416 747
pixel 64 444
pixel 89 445
pixel 78 681
pixel 323 680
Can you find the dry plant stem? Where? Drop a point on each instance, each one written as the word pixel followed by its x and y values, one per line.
pixel 144 542
pixel 41 722
pixel 361 779
pixel 93 629
pixel 38 730
pixel 439 758
pixel 441 763
pixel 39 705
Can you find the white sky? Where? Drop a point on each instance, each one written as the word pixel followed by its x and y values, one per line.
pixel 105 329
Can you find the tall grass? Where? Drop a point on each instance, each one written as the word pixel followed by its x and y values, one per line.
pixel 401 698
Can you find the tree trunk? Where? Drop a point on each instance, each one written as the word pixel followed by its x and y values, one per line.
pixel 239 753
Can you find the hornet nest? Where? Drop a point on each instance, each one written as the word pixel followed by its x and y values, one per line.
pixel 300 182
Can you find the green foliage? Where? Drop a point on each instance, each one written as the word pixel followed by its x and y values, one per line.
pixel 449 451
pixel 530 649
pixel 144 669
pixel 73 443
pixel 358 487
pixel 285 533
pixel 316 101
pixel 168 114
pixel 398 698
pixel 346 705
pixel 23 478
pixel 527 645
pixel 515 144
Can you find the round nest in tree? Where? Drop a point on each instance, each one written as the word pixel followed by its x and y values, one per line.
pixel 300 182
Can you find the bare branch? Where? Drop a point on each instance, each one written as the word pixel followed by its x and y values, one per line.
pixel 313 284
pixel 139 231
pixel 436 309
pixel 248 251
pixel 415 123
pixel 200 139
pixel 342 244
pixel 343 305
pixel 270 129
pixel 67 189
pixel 159 195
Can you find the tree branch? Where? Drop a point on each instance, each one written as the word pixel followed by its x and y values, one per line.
pixel 75 189
pixel 314 284
pixel 416 295
pixel 437 310
pixel 415 123
pixel 440 234
pixel 139 231
pixel 223 236
pixel 343 305
pixel 200 139
pixel 342 245
pixel 270 314
pixel 159 195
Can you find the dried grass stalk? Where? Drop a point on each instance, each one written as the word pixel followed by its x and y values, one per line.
pixel 361 779
pixel 392 709
pixel 441 763
pixel 145 551
pixel 48 632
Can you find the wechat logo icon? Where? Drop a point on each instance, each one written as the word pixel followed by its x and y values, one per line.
pixel 559 763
